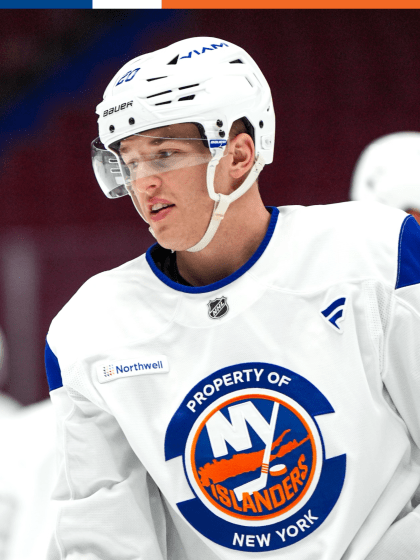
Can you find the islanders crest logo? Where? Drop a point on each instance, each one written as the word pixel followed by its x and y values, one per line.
pixel 254 457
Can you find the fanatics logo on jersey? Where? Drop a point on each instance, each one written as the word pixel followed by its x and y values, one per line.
pixel 129 368
pixel 218 308
pixel 253 456
pixel 334 313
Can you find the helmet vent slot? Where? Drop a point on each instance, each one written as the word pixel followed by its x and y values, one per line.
pixel 174 60
pixel 160 78
pixel 185 87
pixel 187 98
pixel 161 93
pixel 163 103
pixel 237 61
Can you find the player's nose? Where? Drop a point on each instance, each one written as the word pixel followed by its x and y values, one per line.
pixel 147 185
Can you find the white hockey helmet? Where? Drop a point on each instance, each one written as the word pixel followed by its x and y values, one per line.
pixel 201 80
pixel 388 171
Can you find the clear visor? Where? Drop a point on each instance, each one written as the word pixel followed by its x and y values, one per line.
pixel 107 170
pixel 146 154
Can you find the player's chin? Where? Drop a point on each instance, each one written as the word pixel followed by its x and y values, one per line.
pixel 165 237
pixel 168 240
pixel 172 244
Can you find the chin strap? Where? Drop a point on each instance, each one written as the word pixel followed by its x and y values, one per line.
pixel 222 201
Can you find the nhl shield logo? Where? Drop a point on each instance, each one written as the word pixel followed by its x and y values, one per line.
pixel 218 307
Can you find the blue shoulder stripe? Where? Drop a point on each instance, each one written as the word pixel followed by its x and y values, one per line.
pixel 409 254
pixel 53 369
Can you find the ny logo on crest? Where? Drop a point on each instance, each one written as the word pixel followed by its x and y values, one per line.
pixel 259 473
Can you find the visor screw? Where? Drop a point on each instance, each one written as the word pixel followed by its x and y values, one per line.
pixel 222 134
pixel 261 124
pixel 131 120
pixel 111 128
pixel 219 123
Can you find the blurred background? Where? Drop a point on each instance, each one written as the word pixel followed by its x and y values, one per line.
pixel 339 78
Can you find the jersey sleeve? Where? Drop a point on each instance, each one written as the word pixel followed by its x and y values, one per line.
pixel 401 541
pixel 401 376
pixel 106 504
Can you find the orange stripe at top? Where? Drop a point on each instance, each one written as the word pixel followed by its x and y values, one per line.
pixel 288 4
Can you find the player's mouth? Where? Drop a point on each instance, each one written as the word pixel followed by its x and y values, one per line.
pixel 160 209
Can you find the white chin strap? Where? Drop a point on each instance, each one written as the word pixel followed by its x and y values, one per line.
pixel 222 201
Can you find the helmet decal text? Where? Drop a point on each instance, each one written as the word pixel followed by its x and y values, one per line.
pixel 204 49
pixel 121 107
pixel 128 76
pixel 217 143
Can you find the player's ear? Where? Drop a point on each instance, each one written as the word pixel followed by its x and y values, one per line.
pixel 243 155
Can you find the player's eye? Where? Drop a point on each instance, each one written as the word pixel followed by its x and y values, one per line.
pixel 132 165
pixel 152 163
pixel 163 159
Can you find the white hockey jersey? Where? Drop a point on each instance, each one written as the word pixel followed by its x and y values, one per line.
pixel 27 474
pixel 273 414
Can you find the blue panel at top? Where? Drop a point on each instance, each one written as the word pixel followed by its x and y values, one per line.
pixel 44 4
pixel 409 254
pixel 53 369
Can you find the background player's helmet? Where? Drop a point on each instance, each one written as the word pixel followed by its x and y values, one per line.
pixel 388 171
pixel 203 80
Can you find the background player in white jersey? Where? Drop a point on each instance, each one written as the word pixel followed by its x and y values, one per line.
pixel 388 171
pixel 250 385
pixel 27 443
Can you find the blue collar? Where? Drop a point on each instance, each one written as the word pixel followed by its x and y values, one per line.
pixel 225 281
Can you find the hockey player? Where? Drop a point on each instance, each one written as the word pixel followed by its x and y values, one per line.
pixel 250 385
pixel 26 472
pixel 388 171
